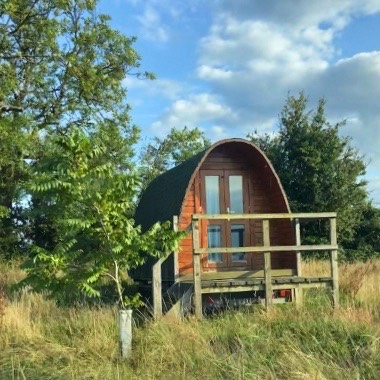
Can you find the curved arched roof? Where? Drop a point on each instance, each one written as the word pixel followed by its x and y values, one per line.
pixel 164 197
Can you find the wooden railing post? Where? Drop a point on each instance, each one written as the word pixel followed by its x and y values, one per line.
pixel 298 242
pixel 267 265
pixel 157 277
pixel 334 264
pixel 157 289
pixel 298 292
pixel 197 270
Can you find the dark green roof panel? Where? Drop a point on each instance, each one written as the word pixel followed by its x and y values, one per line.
pixel 164 196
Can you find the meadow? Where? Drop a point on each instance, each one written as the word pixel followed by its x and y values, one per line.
pixel 39 340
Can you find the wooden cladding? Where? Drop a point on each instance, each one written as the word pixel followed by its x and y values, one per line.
pixel 262 194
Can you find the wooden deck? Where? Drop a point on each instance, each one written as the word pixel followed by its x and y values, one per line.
pixel 240 281
pixel 236 275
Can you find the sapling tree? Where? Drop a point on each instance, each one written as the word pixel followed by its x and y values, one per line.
pixel 88 199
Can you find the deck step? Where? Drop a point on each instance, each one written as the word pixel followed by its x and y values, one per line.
pixel 259 284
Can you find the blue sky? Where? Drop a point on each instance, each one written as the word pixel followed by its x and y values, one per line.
pixel 227 66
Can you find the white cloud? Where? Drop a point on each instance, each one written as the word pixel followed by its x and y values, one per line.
pixel 257 47
pixel 300 13
pixel 213 73
pixel 160 20
pixel 167 88
pixel 152 27
pixel 193 111
pixel 218 132
pixel 257 52
pixel 352 91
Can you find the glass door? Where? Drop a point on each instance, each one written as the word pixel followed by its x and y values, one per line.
pixel 238 236
pixel 213 202
pixel 237 202
pixel 226 192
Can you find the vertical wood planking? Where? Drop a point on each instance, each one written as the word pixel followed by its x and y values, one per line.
pixel 334 264
pixel 267 265
pixel 197 271
pixel 185 252
pixel 157 289
pixel 175 253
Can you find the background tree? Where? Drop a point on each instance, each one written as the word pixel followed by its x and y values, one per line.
pixel 163 154
pixel 67 146
pixel 15 146
pixel 319 169
pixel 61 66
pixel 366 241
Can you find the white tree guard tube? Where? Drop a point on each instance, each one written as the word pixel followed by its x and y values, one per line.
pixel 125 332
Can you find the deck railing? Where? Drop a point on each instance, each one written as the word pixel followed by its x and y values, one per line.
pixel 266 248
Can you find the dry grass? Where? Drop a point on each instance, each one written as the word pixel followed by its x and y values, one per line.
pixel 10 272
pixel 356 280
pixel 39 340
pixel 315 268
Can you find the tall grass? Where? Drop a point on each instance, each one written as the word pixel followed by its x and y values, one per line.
pixel 39 340
pixel 355 279
pixel 359 284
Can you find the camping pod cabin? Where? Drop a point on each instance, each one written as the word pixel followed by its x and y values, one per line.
pixel 231 177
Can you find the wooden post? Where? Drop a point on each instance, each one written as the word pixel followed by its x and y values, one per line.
pixel 298 242
pixel 297 295
pixel 298 292
pixel 267 265
pixel 175 253
pixel 334 264
pixel 157 289
pixel 197 271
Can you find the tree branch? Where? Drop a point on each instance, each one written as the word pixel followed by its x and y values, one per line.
pixel 9 108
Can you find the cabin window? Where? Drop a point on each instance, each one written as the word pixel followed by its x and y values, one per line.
pixel 212 194
pixel 214 233
pixel 236 194
pixel 237 240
